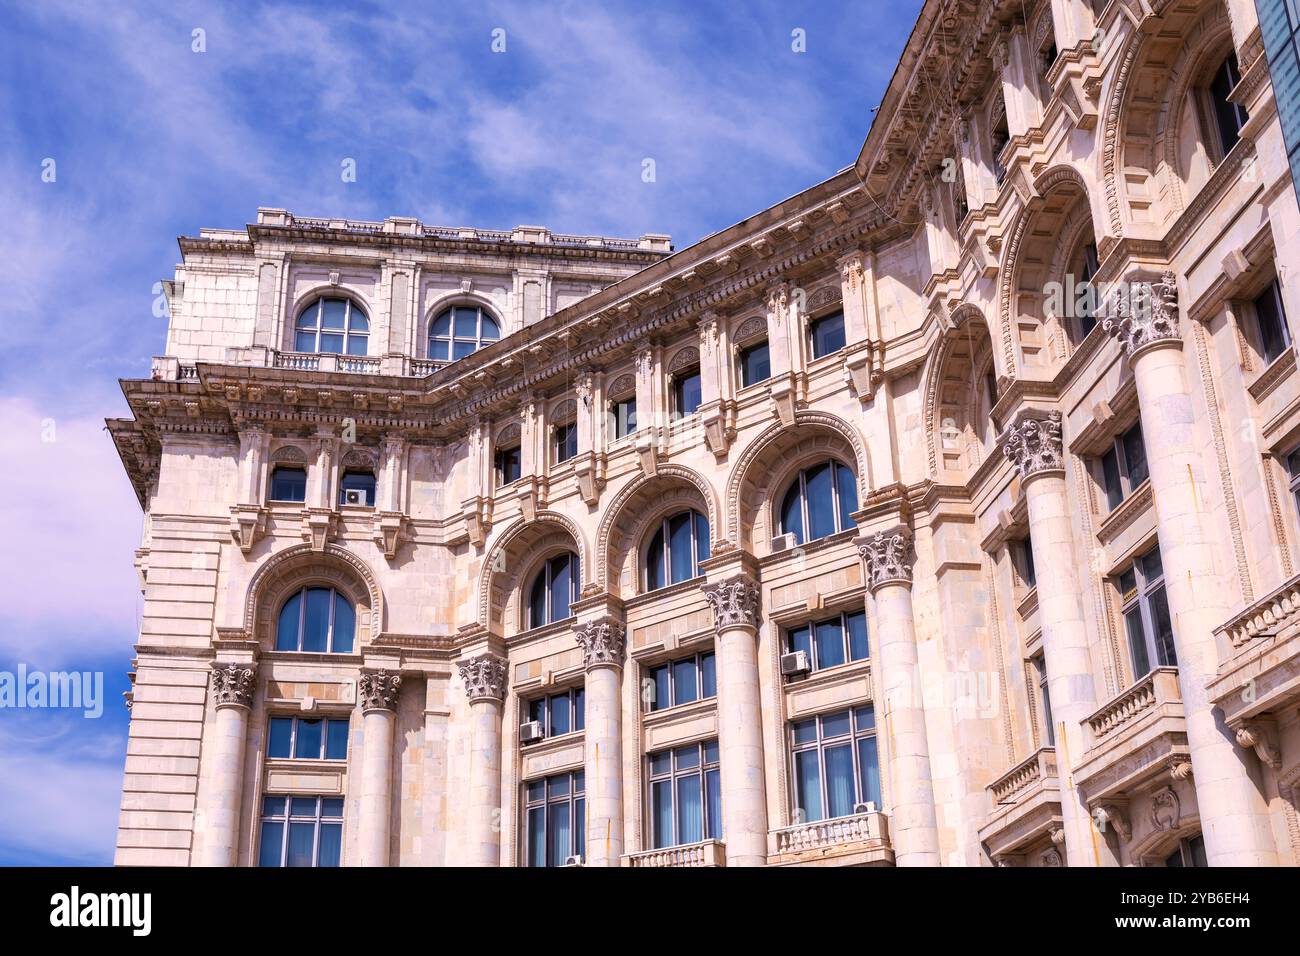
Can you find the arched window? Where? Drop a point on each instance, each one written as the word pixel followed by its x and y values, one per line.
pixel 819 502
pixel 317 620
pixel 1084 266
pixel 1229 117
pixel 461 330
pixel 675 551
pixel 554 590
pixel 332 325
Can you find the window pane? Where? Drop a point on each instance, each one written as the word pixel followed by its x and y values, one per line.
pixel 701 537
pixel 537 602
pixel 442 325
pixel 331 807
pixel 537 836
pixel 579 710
pixel 687 390
pixel 304 342
pixel 310 736
pixel 1152 568
pixel 835 725
pixel 286 633
pixel 332 313
pixel 561 582
pixel 336 743
pixel 331 844
pixel 537 788
pixel 801 640
pixel 755 364
pixel 272 806
pixel 491 331
pixel 864 718
pixel 1227 114
pixel 331 343
pixel 1272 328
pixel 1164 635
pixel 661 763
pixel 302 806
pixel 805 731
pixel 857 625
pixel 713 804
pixel 661 812
pixel 358 344
pixel 345 625
pixel 1137 643
pixel 316 625
pixel 684 690
pixel 679 547
pixel 846 484
pixel 690 810
pixel 869 770
pixel 708 676
pixel 560 717
pixel 558 833
pixel 821 504
pixel 808 785
pixel 839 780
pixel 830 644
pixel 1196 850
pixel 460 349
pixel 440 349
pixel 467 323
pixel 1135 456
pixel 687 758
pixel 289 484
pixel 711 752
pixel 654 561
pixel 357 321
pixel 272 844
pixel 828 334
pixel 310 316
pixel 1110 477
pixel 362 481
pixel 557 786
pixel 281 735
pixel 302 840
pixel 580 827
pixel 662 696
pixel 792 513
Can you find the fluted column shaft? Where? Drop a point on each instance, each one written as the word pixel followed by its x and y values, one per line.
pixel 914 823
pixel 1034 444
pixel 232 686
pixel 378 693
pixel 602 644
pixel 740 722
pixel 485 683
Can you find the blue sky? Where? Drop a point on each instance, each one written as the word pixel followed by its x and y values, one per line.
pixel 151 140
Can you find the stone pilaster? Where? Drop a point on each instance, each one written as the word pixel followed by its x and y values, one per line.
pixel 233 688
pixel 888 559
pixel 377 692
pixel 734 602
pixel 485 686
pixel 602 644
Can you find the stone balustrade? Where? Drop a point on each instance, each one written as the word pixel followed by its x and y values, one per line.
pixel 1040 765
pixel 1267 616
pixel 1156 688
pixel 837 831
pixel 707 853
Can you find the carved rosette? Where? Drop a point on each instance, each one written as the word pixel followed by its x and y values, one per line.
pixel 734 602
pixel 1147 314
pixel 602 643
pixel 378 690
pixel 1033 443
pixel 484 677
pixel 888 556
pixel 233 684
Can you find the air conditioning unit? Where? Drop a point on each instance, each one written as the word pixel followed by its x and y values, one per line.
pixel 794 663
pixel 784 542
pixel 867 807
pixel 530 731
pixel 354 496
pixel 575 860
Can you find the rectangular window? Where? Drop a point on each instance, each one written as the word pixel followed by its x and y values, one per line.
pixel 565 441
pixel 559 714
pixel 685 795
pixel 836 768
pixel 1270 317
pixel 361 482
pixel 833 642
pixel 508 464
pixel 686 393
pixel 827 334
pixel 1049 730
pixel 301 831
pixel 1124 466
pixel 304 738
pixel 755 364
pixel 622 417
pixel 1022 553
pixel 288 484
pixel 1147 621
pixel 1190 852
pixel 555 819
pixel 1229 117
pixel 1293 471
pixel 682 682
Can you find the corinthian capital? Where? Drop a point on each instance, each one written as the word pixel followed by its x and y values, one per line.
pixel 233 684
pixel 734 602
pixel 378 690
pixel 778 300
pixel 1144 313
pixel 888 556
pixel 1033 443
pixel 602 643
pixel 484 677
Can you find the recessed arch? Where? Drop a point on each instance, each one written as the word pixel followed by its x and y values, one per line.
pixel 956 382
pixel 509 562
pixel 299 566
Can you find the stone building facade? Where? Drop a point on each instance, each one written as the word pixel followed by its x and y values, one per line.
pixel 945 513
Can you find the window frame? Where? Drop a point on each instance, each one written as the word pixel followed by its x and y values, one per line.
pixel 499 457
pixel 843 521
pixel 1140 600
pixel 1126 486
pixel 1283 332
pixel 710 829
pixel 1039 664
pixel 1211 106
pixel 335 595
pixel 621 414
pixel 1186 852
pixel 676 382
pixel 576 702
pixel 564 441
pixel 1291 463
pixel 820 745
pixel 814 654
pixel 546 570
pixel 1022 559
pixel 814 323
pixel 669 668
pixel 451 338
pixel 294 721
pixel 319 819
pixel 700 549
pixel 372 491
pixel 574 798
pixel 346 332
pixel 270 490
pixel 743 353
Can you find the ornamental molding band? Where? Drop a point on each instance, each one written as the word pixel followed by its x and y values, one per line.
pixel 378 690
pixel 1033 443
pixel 888 556
pixel 1143 314
pixel 602 643
pixel 233 684
pixel 484 677
pixel 734 602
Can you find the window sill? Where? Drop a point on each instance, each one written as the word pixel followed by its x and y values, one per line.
pixel 313 657
pixel 652 718
pixel 1278 371
pixel 1125 513
pixel 304 763
pixel 1027 602
pixel 543 630
pixel 832 675
pixel 548 744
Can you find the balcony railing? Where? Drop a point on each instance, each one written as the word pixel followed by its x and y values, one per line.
pixel 1040 765
pixel 169 369
pixel 708 853
pixel 303 361
pixel 1158 687
pixel 837 831
pixel 1267 616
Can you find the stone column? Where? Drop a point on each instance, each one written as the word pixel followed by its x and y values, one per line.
pixel 602 650
pixel 740 720
pixel 233 686
pixel 378 693
pixel 485 686
pixel 1033 443
pixel 1232 811
pixel 914 824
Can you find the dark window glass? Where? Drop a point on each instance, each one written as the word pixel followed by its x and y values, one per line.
pixel 559 714
pixel 362 481
pixel 1229 117
pixel 675 550
pixel 555 819
pixel 336 326
pixel 281 737
pixel 1274 336
pixel 686 393
pixel 836 766
pixel 622 414
pixel 318 620
pixel 1110 476
pixel 1147 622
pixel 1049 736
pixel 460 331
pixel 288 484
pixel 685 795
pixel 566 441
pixel 508 464
pixel 827 334
pixel 1124 466
pixel 683 681
pixel 755 364
pixel 553 590
pixel 1025 561
pixel 301 831
pixel 1135 456
pixel 832 642
pixel 821 500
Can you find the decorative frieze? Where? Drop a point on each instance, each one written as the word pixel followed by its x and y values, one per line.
pixel 1033 443
pixel 888 555
pixel 602 643
pixel 734 602
pixel 233 684
pixel 378 690
pixel 1145 314
pixel 484 677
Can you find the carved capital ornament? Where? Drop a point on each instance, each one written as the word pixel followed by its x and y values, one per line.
pixel 602 643
pixel 734 602
pixel 1144 314
pixel 233 684
pixel 888 556
pixel 378 690
pixel 484 677
pixel 1033 444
